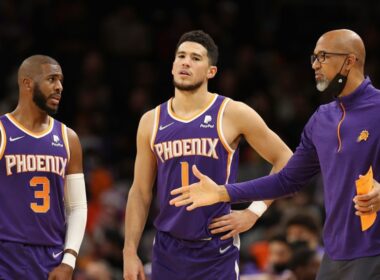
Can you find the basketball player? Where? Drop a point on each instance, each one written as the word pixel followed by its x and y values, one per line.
pixel 41 178
pixel 341 140
pixel 194 127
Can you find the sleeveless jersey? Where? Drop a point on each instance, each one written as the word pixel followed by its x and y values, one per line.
pixel 178 144
pixel 32 171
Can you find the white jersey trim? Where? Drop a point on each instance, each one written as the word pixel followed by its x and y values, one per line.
pixel 66 140
pixel 36 135
pixel 156 121
pixel 220 126
pixel 3 140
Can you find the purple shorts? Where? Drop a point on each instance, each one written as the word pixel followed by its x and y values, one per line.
pixel 178 259
pixel 22 261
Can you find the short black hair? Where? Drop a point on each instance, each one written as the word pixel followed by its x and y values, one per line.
pixel 278 238
pixel 31 66
pixel 201 37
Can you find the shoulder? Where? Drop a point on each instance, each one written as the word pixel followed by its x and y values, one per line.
pixel 236 107
pixel 73 139
pixel 326 107
pixel 148 117
pixel 318 114
pixel 147 122
pixel 240 112
pixel 71 134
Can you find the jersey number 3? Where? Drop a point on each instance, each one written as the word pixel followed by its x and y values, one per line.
pixel 43 194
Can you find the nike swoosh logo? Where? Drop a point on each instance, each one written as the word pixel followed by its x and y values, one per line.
pixel 56 255
pixel 165 126
pixel 222 251
pixel 16 138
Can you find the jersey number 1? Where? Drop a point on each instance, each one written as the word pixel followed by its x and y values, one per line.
pixel 184 173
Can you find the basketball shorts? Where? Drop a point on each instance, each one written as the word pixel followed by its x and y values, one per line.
pixel 21 261
pixel 178 259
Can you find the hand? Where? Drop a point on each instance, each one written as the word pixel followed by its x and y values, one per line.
pixel 236 222
pixel 61 272
pixel 368 203
pixel 205 192
pixel 133 267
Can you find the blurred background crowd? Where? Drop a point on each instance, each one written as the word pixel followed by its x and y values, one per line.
pixel 116 58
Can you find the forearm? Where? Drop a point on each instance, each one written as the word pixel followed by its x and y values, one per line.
pixel 135 218
pixel 301 167
pixel 76 211
pixel 268 187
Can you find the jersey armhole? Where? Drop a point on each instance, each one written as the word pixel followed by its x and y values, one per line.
pixel 156 121
pixel 3 140
pixel 66 140
pixel 220 126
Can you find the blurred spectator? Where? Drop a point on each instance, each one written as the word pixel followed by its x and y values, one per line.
pixel 304 227
pixel 305 264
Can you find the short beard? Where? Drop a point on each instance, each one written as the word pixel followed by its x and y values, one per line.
pixel 323 84
pixel 40 100
pixel 192 87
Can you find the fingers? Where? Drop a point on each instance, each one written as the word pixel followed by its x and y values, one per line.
pixel 219 219
pixel 222 229
pixel 196 172
pixel 214 225
pixel 181 200
pixel 362 213
pixel 375 192
pixel 141 276
pixel 217 223
pixel 222 223
pixel 192 207
pixel 365 208
pixel 364 197
pixel 362 203
pixel 231 234
pixel 180 190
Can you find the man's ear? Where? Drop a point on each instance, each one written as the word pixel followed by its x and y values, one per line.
pixel 350 61
pixel 212 72
pixel 28 83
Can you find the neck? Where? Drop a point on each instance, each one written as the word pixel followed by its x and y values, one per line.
pixel 187 103
pixel 31 117
pixel 351 85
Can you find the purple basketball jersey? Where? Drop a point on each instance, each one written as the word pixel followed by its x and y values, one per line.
pixel 180 143
pixel 32 171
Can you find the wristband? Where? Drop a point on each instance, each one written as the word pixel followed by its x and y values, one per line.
pixel 258 208
pixel 69 259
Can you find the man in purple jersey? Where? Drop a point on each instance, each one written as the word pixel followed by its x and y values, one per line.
pixel 341 140
pixel 194 127
pixel 43 208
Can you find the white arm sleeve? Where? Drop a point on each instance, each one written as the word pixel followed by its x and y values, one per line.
pixel 76 214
